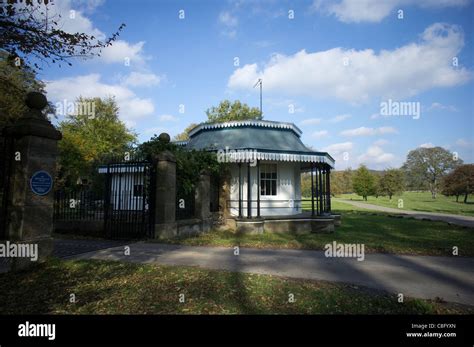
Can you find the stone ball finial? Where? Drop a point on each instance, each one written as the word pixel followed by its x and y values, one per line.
pixel 36 100
pixel 164 138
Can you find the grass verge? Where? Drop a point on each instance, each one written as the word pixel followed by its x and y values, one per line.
pixel 102 287
pixel 420 201
pixel 379 232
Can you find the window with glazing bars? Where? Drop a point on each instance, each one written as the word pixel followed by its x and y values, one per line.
pixel 268 179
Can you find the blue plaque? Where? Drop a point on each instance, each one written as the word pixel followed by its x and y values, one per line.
pixel 41 183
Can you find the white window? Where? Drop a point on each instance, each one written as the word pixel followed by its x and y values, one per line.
pixel 268 179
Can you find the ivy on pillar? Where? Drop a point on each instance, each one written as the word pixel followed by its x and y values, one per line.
pixel 202 201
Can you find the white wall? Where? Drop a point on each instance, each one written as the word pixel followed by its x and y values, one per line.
pixel 124 196
pixel 288 190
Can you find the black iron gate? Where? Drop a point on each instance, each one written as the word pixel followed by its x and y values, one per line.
pixel 129 199
pixel 118 195
pixel 6 162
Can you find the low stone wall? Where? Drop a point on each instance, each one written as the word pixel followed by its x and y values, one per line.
pixel 182 228
pixel 291 225
pixel 300 226
pixel 189 227
pixel 250 226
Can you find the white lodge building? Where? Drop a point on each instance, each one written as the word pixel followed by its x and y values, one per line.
pixel 266 161
pixel 260 191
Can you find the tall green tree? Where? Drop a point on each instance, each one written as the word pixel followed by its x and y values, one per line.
pixel 429 165
pixel 88 137
pixel 451 186
pixel 184 136
pixel 460 181
pixel 232 111
pixel 15 83
pixel 336 183
pixel 363 182
pixel 226 111
pixel 346 181
pixel 391 182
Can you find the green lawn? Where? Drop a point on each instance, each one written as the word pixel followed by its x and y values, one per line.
pixel 102 287
pixel 421 201
pixel 378 231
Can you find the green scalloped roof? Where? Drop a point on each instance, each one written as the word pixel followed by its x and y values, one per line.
pixel 259 135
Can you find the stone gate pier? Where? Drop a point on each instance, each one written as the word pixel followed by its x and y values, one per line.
pixel 29 202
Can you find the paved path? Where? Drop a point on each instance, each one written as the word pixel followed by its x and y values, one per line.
pixel 64 248
pixel 449 278
pixel 466 221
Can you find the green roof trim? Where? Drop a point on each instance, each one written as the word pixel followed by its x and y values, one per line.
pixel 246 123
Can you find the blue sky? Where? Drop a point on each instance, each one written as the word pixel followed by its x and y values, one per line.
pixel 326 66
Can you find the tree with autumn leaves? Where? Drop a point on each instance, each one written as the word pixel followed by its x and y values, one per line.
pixel 89 138
pixel 459 182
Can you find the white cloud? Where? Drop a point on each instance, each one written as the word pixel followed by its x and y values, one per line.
pixel 381 142
pixel 393 73
pixel 350 11
pixel 386 130
pixel 136 108
pixel 138 79
pixel 88 5
pixel 463 143
pixel 168 118
pixel 426 145
pixel 364 131
pixel 338 148
pixel 73 20
pixel 123 52
pixel 440 106
pixel 131 106
pixel 340 118
pixel 311 121
pixel 230 23
pixel 341 152
pixel 228 19
pixel 376 157
pixel 319 134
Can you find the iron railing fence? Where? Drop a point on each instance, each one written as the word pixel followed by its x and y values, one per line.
pixel 321 206
pixel 78 205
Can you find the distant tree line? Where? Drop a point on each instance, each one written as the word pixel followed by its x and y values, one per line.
pixel 433 169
